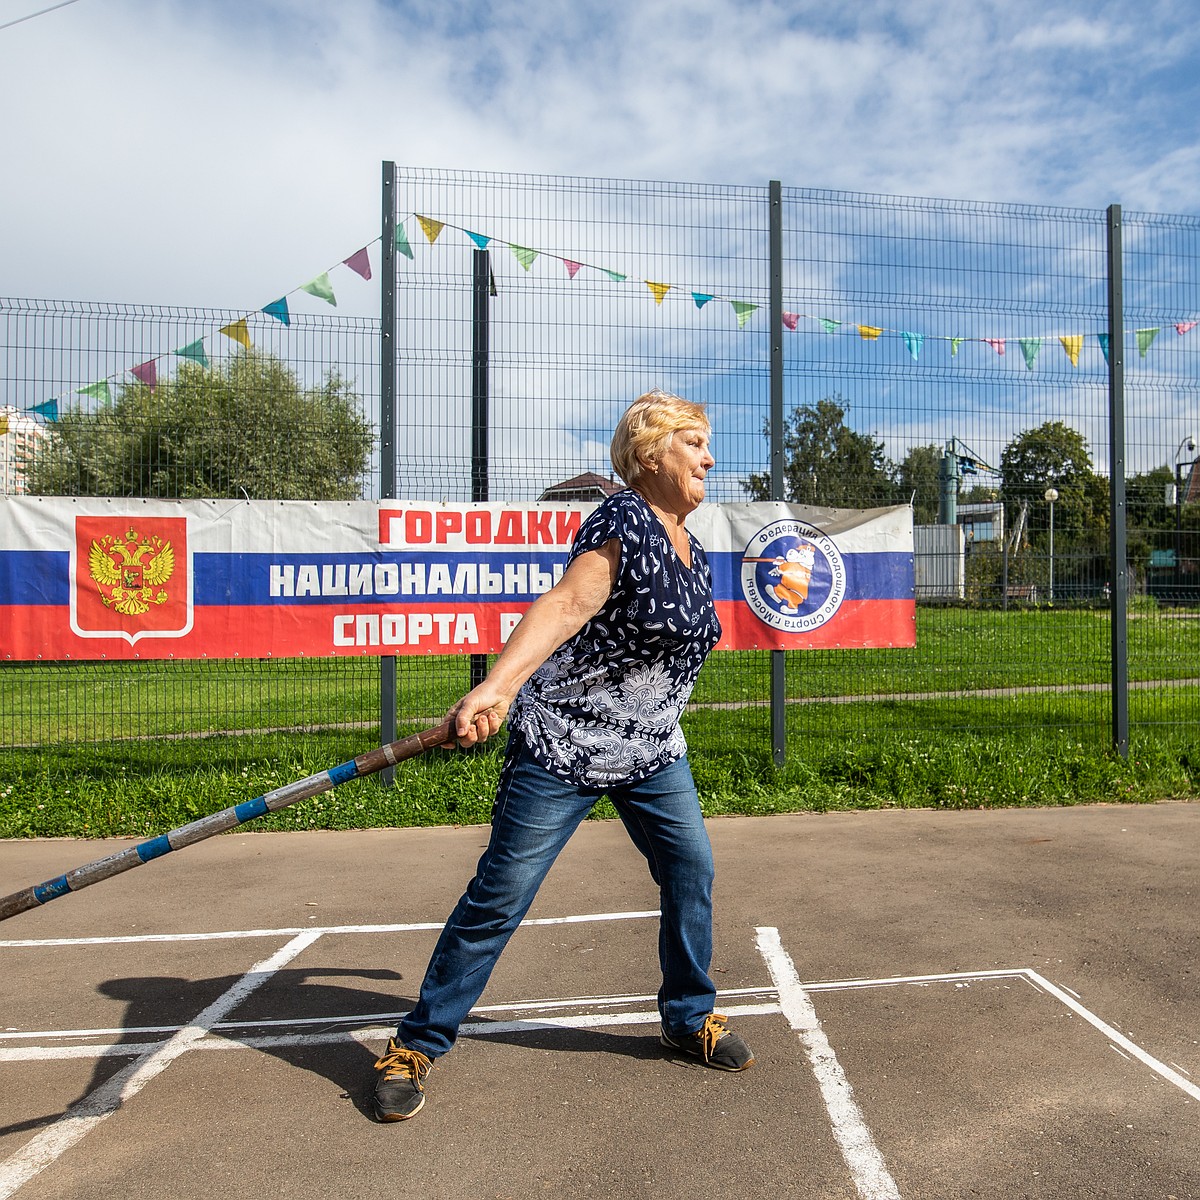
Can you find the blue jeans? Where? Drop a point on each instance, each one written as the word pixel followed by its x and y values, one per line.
pixel 534 815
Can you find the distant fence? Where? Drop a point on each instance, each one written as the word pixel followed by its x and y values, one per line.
pixel 853 351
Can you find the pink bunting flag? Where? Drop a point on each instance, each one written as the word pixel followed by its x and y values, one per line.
pixel 572 267
pixel 1184 326
pixel 791 320
pixel 146 373
pixel 996 344
pixel 360 263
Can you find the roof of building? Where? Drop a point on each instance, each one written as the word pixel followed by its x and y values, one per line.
pixel 588 486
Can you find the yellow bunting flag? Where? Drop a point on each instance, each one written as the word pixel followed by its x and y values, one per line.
pixel 239 332
pixel 955 342
pixel 1072 344
pixel 3 425
pixel 659 290
pixel 432 228
pixel 869 332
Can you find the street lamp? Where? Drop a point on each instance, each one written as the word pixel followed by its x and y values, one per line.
pixel 1051 496
pixel 1189 445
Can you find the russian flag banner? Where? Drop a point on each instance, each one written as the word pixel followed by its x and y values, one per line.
pixel 93 578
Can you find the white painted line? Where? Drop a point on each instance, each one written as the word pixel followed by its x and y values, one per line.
pixel 34 943
pixel 1159 1068
pixel 867 1168
pixel 356 1028
pixel 81 1118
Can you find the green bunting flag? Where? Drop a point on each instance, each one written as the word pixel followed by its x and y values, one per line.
pixel 194 352
pixel 321 288
pixel 1030 348
pixel 829 324
pixel 1144 338
pixel 523 255
pixel 98 391
pixel 402 241
pixel 743 309
pixel 615 276
pixel 955 342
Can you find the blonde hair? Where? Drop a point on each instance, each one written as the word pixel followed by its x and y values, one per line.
pixel 646 428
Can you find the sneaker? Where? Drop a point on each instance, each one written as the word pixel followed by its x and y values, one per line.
pixel 712 1044
pixel 398 1091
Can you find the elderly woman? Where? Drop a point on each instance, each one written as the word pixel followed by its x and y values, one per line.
pixel 593 681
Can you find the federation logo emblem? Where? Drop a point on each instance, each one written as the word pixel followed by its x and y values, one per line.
pixel 131 578
pixel 793 576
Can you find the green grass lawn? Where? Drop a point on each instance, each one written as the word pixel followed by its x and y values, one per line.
pixel 866 728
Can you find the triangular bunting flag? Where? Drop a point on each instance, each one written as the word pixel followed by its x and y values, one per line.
pixel 830 325
pixel 146 373
pixel 955 342
pixel 432 228
pixel 701 298
pixel 359 262
pixel 1184 326
pixel 480 239
pixel 97 391
pixel 3 425
pixel 743 308
pixel 996 344
pixel 194 352
pixel 659 290
pixel 1072 344
pixel 572 267
pixel 321 288
pixel 791 320
pixel 277 309
pixel 914 341
pixel 869 333
pixel 1030 348
pixel 1102 338
pixel 615 276
pixel 523 255
pixel 48 409
pixel 1144 338
pixel 238 332
pixel 402 241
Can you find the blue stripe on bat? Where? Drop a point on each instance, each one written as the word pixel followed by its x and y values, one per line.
pixel 249 809
pixel 154 848
pixel 50 889
pixel 344 772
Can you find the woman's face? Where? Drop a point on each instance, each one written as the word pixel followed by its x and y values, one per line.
pixel 682 466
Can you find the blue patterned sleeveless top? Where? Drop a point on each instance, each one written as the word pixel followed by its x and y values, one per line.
pixel 604 708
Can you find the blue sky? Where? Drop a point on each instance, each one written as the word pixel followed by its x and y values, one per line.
pixel 220 153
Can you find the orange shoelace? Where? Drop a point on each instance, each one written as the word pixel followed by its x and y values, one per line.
pixel 399 1060
pixel 711 1033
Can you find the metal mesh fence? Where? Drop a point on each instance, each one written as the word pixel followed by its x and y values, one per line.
pixel 947 354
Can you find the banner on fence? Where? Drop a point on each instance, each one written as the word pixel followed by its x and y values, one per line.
pixel 123 579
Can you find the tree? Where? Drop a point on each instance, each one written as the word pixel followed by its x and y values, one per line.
pixel 827 463
pixel 245 426
pixel 1054 455
pixel 919 480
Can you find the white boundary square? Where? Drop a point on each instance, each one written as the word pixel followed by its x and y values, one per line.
pixel 787 995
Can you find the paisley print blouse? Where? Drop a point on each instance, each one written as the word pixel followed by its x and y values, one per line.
pixel 604 708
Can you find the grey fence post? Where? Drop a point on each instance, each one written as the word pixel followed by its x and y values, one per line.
pixel 387 428
pixel 775 250
pixel 1118 550
pixel 479 403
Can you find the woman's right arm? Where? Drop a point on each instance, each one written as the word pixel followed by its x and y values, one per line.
pixel 552 619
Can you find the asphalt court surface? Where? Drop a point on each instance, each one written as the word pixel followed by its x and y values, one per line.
pixel 974 1004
